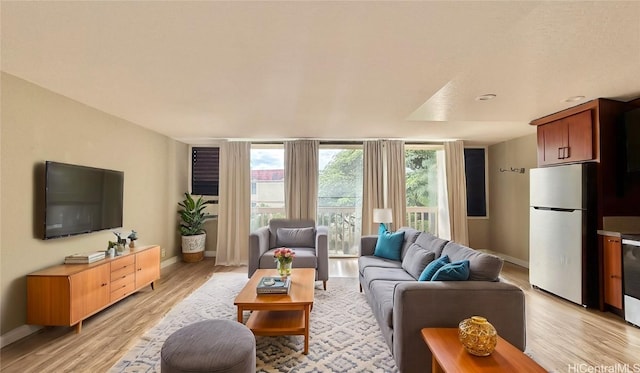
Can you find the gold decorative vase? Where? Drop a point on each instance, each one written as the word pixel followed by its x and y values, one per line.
pixel 478 336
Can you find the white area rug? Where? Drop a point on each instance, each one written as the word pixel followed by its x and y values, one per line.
pixel 344 335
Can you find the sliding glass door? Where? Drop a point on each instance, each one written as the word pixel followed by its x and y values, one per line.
pixel 340 197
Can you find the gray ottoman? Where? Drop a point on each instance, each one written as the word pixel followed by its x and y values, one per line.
pixel 210 346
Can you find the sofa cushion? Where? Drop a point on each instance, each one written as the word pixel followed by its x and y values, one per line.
pixel 457 271
pixel 431 243
pixel 432 268
pixel 389 244
pixel 416 259
pixel 305 258
pixel 296 237
pixel 482 266
pixel 410 236
pixel 373 274
pixel 374 261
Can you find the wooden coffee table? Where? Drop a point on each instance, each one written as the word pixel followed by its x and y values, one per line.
pixel 450 356
pixel 279 314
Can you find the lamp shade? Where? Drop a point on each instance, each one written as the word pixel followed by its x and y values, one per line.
pixel 382 216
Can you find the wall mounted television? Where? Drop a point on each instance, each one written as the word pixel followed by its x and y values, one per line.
pixel 632 135
pixel 80 199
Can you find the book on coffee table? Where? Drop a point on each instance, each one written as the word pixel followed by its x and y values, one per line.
pixel 273 285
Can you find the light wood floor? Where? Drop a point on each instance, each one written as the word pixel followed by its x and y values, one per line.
pixel 560 335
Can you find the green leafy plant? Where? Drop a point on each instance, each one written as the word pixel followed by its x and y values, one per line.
pixel 192 215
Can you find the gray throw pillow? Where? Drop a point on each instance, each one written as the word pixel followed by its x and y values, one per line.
pixel 416 259
pixel 295 237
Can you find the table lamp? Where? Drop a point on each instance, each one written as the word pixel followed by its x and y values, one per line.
pixel 382 216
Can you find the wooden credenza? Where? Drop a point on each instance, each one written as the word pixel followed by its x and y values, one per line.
pixel 66 294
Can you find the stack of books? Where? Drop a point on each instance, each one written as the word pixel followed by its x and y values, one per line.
pixel 84 258
pixel 273 285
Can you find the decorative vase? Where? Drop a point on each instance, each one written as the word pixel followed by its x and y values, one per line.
pixel 284 269
pixel 111 252
pixel 132 244
pixel 193 248
pixel 120 249
pixel 478 336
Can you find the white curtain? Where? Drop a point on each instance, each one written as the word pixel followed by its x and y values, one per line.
pixel 396 182
pixel 301 178
pixel 456 191
pixel 234 204
pixel 372 182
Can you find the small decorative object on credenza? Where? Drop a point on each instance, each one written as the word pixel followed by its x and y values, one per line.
pixel 121 242
pixel 273 285
pixel 132 239
pixel 477 335
pixel 84 258
pixel 111 249
pixel 284 261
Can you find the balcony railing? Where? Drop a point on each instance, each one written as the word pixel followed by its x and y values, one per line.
pixel 344 224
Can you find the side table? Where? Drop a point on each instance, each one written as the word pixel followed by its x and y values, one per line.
pixel 449 356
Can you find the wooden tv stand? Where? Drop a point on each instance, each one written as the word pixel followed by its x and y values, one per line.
pixel 66 294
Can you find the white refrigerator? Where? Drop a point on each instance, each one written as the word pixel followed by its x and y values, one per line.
pixel 563 232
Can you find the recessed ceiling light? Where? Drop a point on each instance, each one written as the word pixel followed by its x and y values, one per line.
pixel 487 97
pixel 574 98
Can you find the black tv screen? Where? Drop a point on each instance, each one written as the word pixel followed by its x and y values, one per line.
pixel 632 132
pixel 81 199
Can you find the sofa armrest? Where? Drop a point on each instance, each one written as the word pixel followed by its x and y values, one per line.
pixel 440 304
pixel 322 252
pixel 368 244
pixel 258 245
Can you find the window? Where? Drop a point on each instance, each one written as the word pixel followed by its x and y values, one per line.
pixel 422 187
pixel 340 196
pixel 267 184
pixel 205 169
pixel 475 171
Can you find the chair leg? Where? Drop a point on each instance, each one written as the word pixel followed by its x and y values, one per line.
pixel 324 284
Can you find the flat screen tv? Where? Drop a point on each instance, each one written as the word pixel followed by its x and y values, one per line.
pixel 81 199
pixel 632 132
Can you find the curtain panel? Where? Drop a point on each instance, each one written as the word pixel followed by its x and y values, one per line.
pixel 372 184
pixel 456 191
pixel 301 179
pixel 396 182
pixel 234 216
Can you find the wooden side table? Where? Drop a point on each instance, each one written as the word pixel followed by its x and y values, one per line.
pixel 449 356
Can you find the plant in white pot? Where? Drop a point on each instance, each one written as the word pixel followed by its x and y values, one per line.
pixel 193 216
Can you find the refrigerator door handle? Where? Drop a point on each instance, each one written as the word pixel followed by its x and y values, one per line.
pixel 553 209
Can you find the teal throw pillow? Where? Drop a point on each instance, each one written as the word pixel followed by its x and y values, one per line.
pixel 389 244
pixel 433 267
pixel 458 271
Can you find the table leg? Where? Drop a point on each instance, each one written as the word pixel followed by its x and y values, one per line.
pixel 307 311
pixel 240 314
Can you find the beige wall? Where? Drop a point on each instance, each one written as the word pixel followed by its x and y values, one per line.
pixel 479 233
pixel 39 125
pixel 509 197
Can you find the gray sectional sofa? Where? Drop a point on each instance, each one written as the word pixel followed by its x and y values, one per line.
pixel 403 305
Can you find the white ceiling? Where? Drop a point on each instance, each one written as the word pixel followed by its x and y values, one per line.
pixel 329 70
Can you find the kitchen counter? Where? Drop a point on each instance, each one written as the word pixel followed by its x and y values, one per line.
pixel 631 239
pixel 603 232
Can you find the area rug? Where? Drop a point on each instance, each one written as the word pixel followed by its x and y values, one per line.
pixel 344 335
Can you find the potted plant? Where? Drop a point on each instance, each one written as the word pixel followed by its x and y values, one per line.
pixel 192 218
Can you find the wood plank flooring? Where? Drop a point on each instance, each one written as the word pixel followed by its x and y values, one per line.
pixel 560 335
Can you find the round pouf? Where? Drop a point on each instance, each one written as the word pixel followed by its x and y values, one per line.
pixel 220 346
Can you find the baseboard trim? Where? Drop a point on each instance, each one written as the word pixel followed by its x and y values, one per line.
pixel 210 254
pixel 169 261
pixel 17 334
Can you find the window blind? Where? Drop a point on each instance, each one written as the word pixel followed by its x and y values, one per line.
pixel 205 169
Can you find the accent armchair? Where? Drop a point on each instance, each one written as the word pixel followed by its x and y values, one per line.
pixel 308 241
